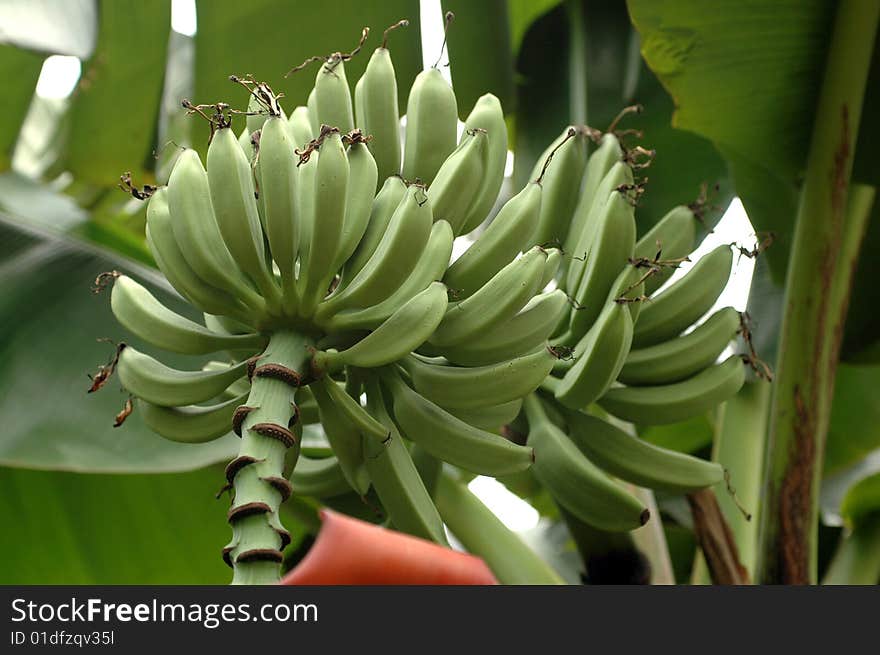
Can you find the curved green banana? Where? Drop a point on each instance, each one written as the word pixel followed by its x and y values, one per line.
pixel 610 250
pixel 561 183
pixel 329 193
pixel 682 357
pixel 460 387
pixel 396 479
pixel 144 316
pixel 673 237
pixel 574 481
pixel 333 97
pixel 449 438
pixel 383 207
pixel 400 334
pixel 600 355
pixel 600 163
pixel 299 127
pixel 492 418
pixel 163 246
pixel 318 478
pixel 551 267
pixel 191 423
pixel 637 461
pixel 455 190
pixel 151 380
pixel 375 101
pixel 487 115
pixel 197 233
pixel 393 260
pixel 431 126
pixel 278 189
pixel 580 252
pixel 498 244
pixel 354 412
pixel 682 303
pixel 231 182
pixel 361 187
pixel 523 333
pixel 494 303
pixel 670 403
pixel 428 269
pixel 345 438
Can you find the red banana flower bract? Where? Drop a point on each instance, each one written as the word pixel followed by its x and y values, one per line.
pixel 352 552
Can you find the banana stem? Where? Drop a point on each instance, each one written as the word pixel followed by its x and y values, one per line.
pixel 483 534
pixel 820 269
pixel 268 430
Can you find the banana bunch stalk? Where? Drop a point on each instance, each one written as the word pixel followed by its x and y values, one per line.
pixel 318 252
pixel 631 352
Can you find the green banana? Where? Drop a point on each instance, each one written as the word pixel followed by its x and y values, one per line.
pixel 149 379
pixel 431 126
pixel 163 246
pixel 351 408
pixel 319 478
pixel 673 236
pixel 523 333
pixel 383 207
pixel 600 355
pixel 487 115
pixel 375 101
pixel 404 331
pixel 231 183
pixel 312 106
pixel 610 250
pixel 332 96
pixel 396 479
pixel 256 116
pixel 494 303
pixel 606 158
pixel 454 193
pixel 345 439
pixel 192 423
pixel 561 183
pixel 197 234
pixel 484 535
pixel 448 438
pixel 491 418
pixel 637 461
pixel 498 244
pixel 361 187
pixel 574 481
pixel 299 127
pixel 329 193
pixel 144 316
pixel 579 254
pixel 459 387
pixel 393 260
pixel 428 269
pixel 551 267
pixel 670 403
pixel 277 192
pixel 687 299
pixel 681 357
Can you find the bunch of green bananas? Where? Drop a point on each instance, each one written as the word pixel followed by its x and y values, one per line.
pixel 319 258
pixel 318 251
pixel 628 355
